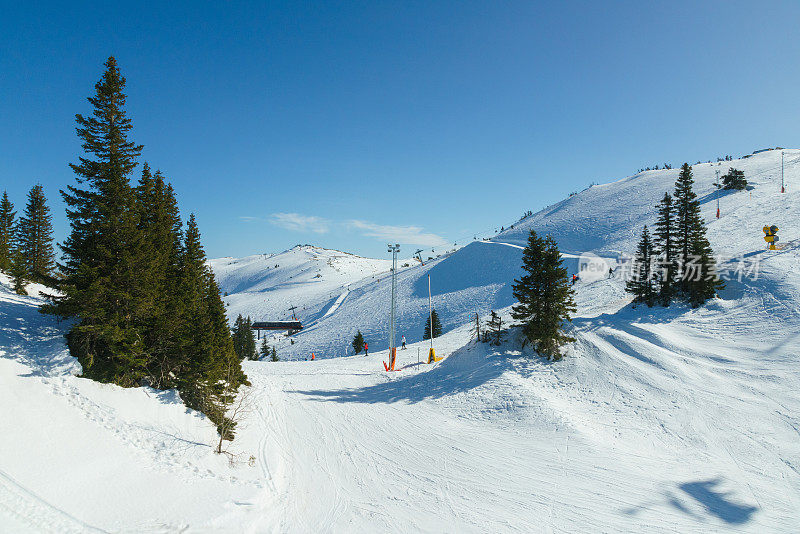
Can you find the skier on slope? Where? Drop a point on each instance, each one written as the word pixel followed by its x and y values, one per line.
pixel 366 349
pixel 403 341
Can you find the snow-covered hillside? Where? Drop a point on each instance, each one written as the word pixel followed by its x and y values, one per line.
pixel 607 219
pixel 311 279
pixel 603 219
pixel 657 420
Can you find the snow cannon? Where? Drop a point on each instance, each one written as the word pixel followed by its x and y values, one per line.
pixel 770 236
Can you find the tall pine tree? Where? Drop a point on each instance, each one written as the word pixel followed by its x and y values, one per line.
pixel 104 255
pixel 160 226
pixel 35 237
pixel 687 216
pixel 698 280
pixel 209 369
pixel 145 306
pixel 545 297
pixel 642 283
pixel 7 232
pixel 666 248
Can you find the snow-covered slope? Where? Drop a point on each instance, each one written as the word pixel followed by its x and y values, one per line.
pixel 311 279
pixel 657 420
pixel 607 219
pixel 603 219
pixel 79 456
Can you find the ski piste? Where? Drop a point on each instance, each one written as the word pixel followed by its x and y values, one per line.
pixel 656 420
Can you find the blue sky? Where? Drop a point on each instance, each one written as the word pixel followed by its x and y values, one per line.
pixel 350 124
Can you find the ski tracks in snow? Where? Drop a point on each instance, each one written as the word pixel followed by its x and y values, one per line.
pixel 30 510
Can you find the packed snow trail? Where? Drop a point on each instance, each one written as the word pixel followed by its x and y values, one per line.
pixel 336 304
pixel 648 425
pixel 487 441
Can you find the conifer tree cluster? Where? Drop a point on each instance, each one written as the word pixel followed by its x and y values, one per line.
pixel 146 308
pixel 26 245
pixel 734 179
pixel 545 297
pixel 244 344
pixel 265 351
pixel 678 263
pixel 437 325
pixel 358 342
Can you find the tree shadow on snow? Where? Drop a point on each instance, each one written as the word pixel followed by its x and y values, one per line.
pixel 465 369
pixel 718 502
pixel 714 195
pixel 706 494
pixel 33 339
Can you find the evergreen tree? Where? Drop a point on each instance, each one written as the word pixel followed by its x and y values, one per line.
pixel 687 216
pixel 477 328
pixel 244 344
pixel 545 297
pixel 264 352
pixel 238 336
pixel 701 273
pixel 642 282
pixel 698 280
pixel 145 306
pixel 18 272
pixel 103 255
pixel 209 370
pixel 274 354
pixel 251 352
pixel 35 236
pixel 437 325
pixel 7 232
pixel 666 248
pixel 358 342
pixel 734 179
pixel 160 227
pixel 495 327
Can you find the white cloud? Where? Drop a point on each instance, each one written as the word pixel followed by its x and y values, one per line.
pixel 248 218
pixel 408 235
pixel 300 223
